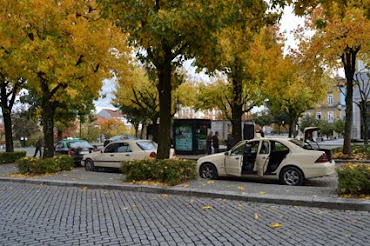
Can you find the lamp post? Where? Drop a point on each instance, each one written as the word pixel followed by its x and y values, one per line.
pixel 178 108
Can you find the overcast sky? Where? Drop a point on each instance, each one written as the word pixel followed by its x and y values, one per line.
pixel 288 23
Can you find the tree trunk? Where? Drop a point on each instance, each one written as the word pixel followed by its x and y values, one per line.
pixel 365 124
pixel 349 62
pixel 165 101
pixel 237 110
pixel 291 125
pixel 48 113
pixel 9 147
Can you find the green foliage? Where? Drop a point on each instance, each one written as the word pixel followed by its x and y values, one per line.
pixel 326 128
pixel 308 121
pixel 10 157
pixel 339 126
pixel 171 171
pixel 354 179
pixel 263 118
pixel 55 164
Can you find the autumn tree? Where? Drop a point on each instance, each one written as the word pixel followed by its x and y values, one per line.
pixel 234 52
pixel 67 50
pixel 166 33
pixel 342 34
pixel 113 127
pixel 263 118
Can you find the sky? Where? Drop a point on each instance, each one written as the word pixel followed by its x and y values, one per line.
pixel 289 22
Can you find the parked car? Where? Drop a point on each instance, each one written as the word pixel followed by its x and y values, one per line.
pixel 114 153
pixel 75 147
pixel 286 160
pixel 119 137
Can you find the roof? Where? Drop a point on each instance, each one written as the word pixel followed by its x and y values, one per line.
pixel 110 113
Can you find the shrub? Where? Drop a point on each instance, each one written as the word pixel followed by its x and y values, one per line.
pixel 49 165
pixel 170 171
pixel 354 179
pixel 10 157
pixel 358 152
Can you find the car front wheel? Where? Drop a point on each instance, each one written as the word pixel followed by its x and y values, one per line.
pixel 208 171
pixel 292 176
pixel 89 165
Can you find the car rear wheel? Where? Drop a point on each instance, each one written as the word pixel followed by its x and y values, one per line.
pixel 208 171
pixel 89 165
pixel 292 176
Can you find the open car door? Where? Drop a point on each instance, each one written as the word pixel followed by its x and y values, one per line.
pixel 234 160
pixel 263 157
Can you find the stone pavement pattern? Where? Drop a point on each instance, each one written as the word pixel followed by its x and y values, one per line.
pixel 49 215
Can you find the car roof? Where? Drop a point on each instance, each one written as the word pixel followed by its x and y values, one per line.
pixel 72 140
pixel 133 140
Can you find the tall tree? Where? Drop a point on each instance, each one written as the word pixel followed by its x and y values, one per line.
pixel 68 50
pixel 167 32
pixel 362 82
pixel 342 34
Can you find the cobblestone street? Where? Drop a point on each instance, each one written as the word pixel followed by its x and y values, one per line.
pixel 46 215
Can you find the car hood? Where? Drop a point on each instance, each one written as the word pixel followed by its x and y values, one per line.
pixel 211 157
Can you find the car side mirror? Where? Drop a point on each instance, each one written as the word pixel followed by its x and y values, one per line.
pixel 101 151
pixel 227 153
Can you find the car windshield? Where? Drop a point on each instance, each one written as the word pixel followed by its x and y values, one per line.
pixel 147 145
pixel 115 138
pixel 79 144
pixel 298 142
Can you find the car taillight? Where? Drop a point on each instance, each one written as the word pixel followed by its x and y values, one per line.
pixel 71 152
pixel 322 158
pixel 153 155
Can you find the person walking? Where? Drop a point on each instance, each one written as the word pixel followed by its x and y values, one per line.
pixel 209 143
pixel 216 145
pixel 230 141
pixel 38 146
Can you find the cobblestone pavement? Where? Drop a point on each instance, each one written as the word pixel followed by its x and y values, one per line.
pixel 47 215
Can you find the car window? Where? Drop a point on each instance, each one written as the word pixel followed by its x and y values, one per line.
pixel 252 147
pixel 277 147
pixel 124 147
pixel 59 145
pixel 79 144
pixel 265 147
pixel 147 145
pixel 238 149
pixel 111 148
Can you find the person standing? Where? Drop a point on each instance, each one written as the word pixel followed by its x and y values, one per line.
pixel 216 145
pixel 230 141
pixel 38 146
pixel 209 143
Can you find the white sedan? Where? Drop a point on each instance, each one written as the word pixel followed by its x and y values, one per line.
pixel 114 153
pixel 288 160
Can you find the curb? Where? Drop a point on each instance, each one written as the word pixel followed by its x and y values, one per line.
pixel 353 161
pixel 331 203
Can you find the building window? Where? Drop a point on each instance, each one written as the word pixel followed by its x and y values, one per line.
pixel 330 99
pixel 330 116
pixel 318 115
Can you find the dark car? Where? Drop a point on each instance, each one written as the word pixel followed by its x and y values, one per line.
pixel 74 147
pixel 117 138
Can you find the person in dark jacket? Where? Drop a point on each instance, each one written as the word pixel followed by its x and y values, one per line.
pixel 216 145
pixel 38 146
pixel 230 141
pixel 209 143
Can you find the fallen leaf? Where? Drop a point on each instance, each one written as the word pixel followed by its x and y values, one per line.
pixel 207 207
pixel 164 196
pixel 210 182
pixel 133 206
pixel 84 188
pixel 275 225
pixel 256 216
pixel 241 188
pixel 185 186
pixel 262 192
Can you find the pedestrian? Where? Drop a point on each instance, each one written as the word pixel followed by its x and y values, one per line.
pixel 230 141
pixel 38 146
pixel 209 143
pixel 216 146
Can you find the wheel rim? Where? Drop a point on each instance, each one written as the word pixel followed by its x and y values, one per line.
pixel 89 165
pixel 291 177
pixel 208 172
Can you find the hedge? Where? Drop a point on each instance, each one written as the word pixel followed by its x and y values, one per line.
pixel 358 152
pixel 170 171
pixel 10 157
pixel 354 179
pixel 55 164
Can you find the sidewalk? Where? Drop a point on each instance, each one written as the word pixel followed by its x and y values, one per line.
pixel 320 192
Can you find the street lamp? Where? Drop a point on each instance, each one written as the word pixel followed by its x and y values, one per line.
pixel 178 107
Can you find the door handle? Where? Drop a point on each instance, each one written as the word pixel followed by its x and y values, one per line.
pixel 263 157
pixel 111 155
pixel 127 154
pixel 237 158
